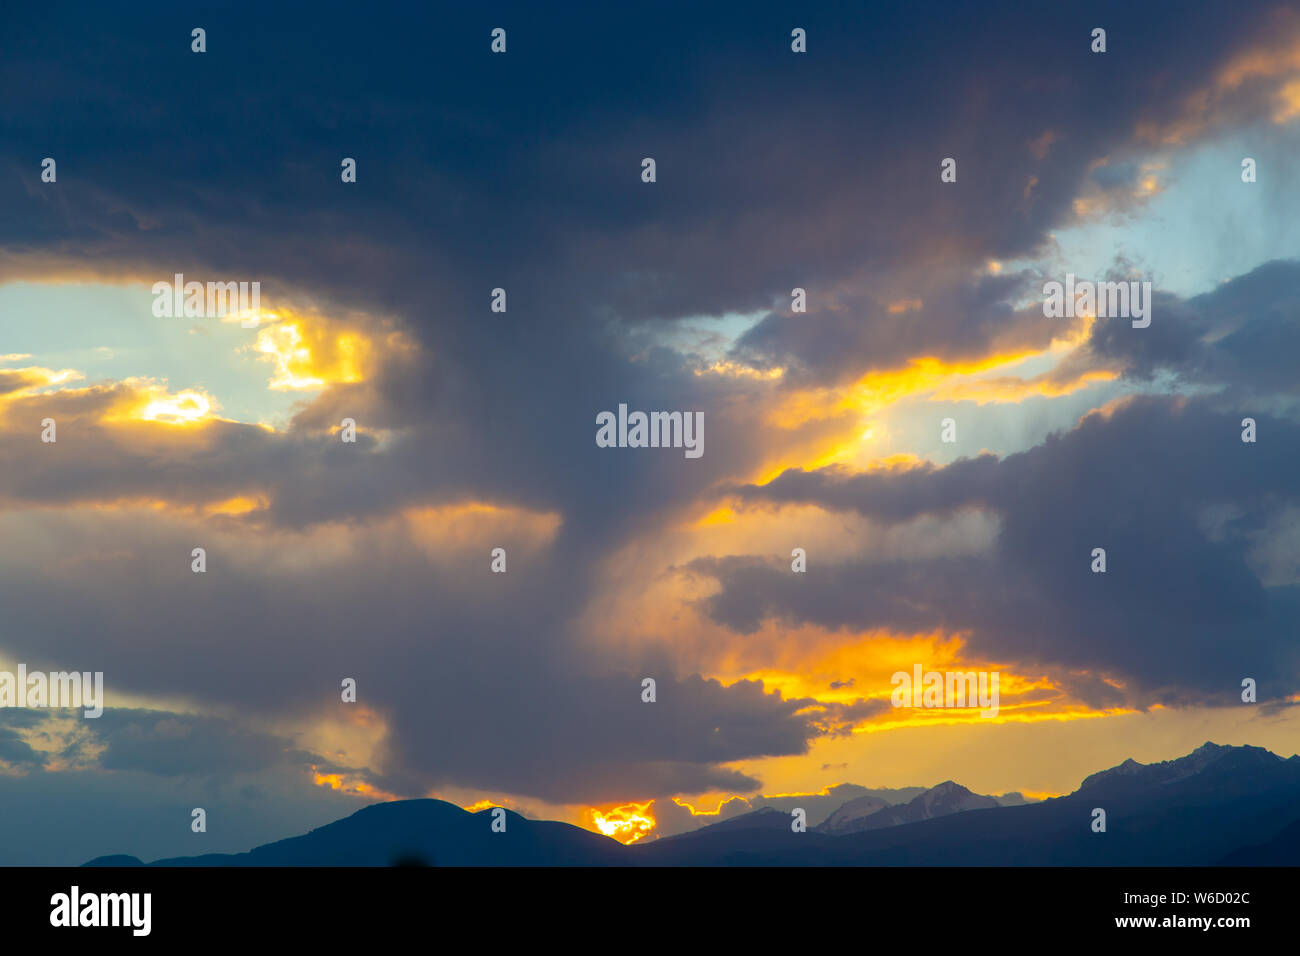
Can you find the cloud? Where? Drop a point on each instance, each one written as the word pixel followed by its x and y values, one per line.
pixel 477 172
pixel 1140 479
pixel 1236 336
pixel 15 750
pixel 179 744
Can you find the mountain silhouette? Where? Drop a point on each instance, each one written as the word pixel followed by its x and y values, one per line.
pixel 1192 811
pixel 419 833
pixel 938 801
pixel 764 818
pixel 1215 806
pixel 850 813
pixel 1013 799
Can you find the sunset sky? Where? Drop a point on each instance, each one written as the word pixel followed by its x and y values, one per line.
pixel 476 429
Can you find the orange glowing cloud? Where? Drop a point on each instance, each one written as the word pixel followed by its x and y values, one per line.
pixel 149 400
pixel 20 383
pixel 439 531
pixel 627 823
pixel 857 405
pixel 830 669
pixel 1011 389
pixel 311 354
pixel 875 391
pixel 737 370
pixel 132 400
pixel 348 782
pixel 904 305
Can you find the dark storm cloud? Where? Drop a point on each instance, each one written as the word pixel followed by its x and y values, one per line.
pixel 1243 335
pixel 17 752
pixel 602 734
pixel 180 744
pixel 522 171
pixel 478 676
pixel 15 748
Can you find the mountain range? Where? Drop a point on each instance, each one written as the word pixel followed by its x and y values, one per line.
pixel 857 816
pixel 1218 805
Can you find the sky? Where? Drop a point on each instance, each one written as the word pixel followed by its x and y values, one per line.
pixel 824 428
